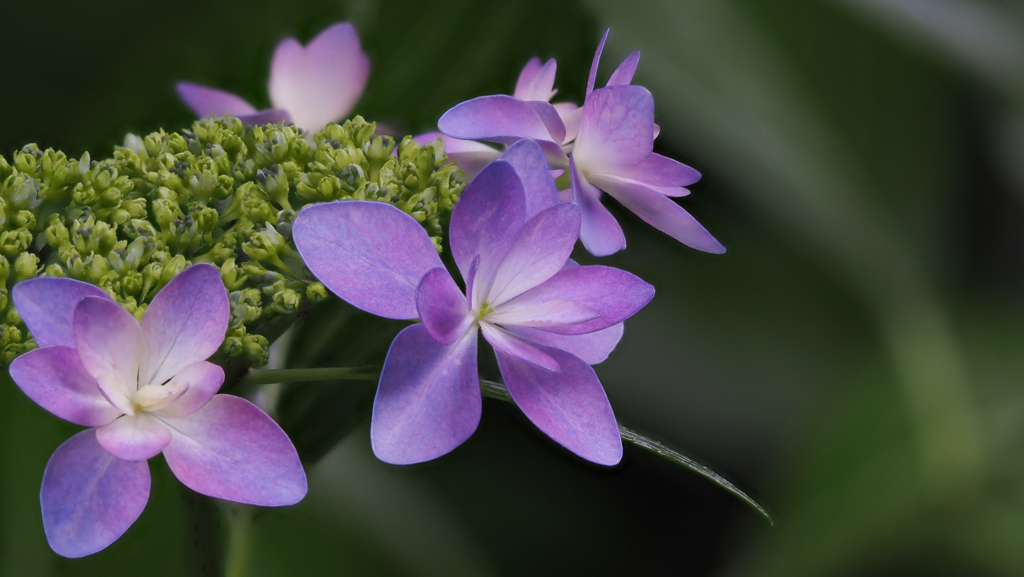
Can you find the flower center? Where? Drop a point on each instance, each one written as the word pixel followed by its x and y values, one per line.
pixel 485 309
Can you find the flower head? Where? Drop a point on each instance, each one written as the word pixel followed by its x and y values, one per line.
pixel 309 86
pixel 546 317
pixel 143 389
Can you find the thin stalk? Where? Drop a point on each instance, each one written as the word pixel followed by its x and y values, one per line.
pixel 239 546
pixel 268 376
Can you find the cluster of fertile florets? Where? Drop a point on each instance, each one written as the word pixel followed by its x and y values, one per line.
pixel 220 193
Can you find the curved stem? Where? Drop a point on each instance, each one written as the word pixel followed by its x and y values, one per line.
pixel 268 376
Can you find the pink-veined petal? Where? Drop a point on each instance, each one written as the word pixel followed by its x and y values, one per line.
pixel 536 81
pixel 428 401
pixel 527 158
pixel 370 254
pixel 184 324
pixel 202 381
pixel 591 348
pixel 206 101
pixel 109 343
pixel 89 497
pixel 656 171
pixel 471 156
pixel 505 119
pixel 134 437
pixel 570 406
pixel 506 343
pixel 321 82
pixel 592 78
pixel 230 449
pixel 600 233
pixel 624 73
pixel 56 380
pixel 571 116
pixel 442 306
pixel 47 305
pixel 617 129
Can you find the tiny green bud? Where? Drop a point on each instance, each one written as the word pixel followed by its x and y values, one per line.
pixel 316 292
pixel 256 349
pixel 26 266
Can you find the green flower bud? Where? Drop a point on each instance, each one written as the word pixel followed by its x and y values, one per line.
pixel 256 349
pixel 57 235
pixel 13 318
pixel 316 292
pixel 55 270
pixel 232 276
pixel 286 301
pixel 26 266
pixel 232 345
pixel 5 269
pixel 14 242
pixel 3 298
pixel 172 268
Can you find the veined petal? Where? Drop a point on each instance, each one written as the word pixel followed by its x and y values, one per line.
pixel 571 116
pixel 527 158
pixel 184 324
pixel 552 121
pixel 471 156
pixel 206 101
pixel 230 449
pixel 89 497
pixel 506 343
pixel 134 437
pixel 592 78
pixel 600 233
pixel 428 401
pixel 201 380
pixel 570 406
pixel 370 254
pixel 56 380
pixel 504 119
pixel 556 313
pixel 591 348
pixel 442 306
pixel 47 305
pixel 624 73
pixel 614 293
pixel 321 82
pixel 536 81
pixel 617 129
pixel 109 343
pixel 655 171
pixel 543 246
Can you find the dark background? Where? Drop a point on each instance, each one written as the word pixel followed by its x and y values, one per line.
pixel 855 360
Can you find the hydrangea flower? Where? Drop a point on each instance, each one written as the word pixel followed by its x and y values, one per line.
pixel 612 150
pixel 142 389
pixel 545 316
pixel 309 85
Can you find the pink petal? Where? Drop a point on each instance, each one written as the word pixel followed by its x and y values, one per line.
pixel 428 401
pixel 655 171
pixel 548 315
pixel 504 119
pixel 571 116
pixel 617 129
pixel 370 254
pixel 212 102
pixel 570 406
pixel 536 82
pixel 471 156
pixel 134 437
pixel 230 449
pixel 543 246
pixel 508 344
pixel 55 378
pixel 442 306
pixel 109 343
pixel 322 82
pixel 527 158
pixel 600 233
pixel 47 305
pixel 203 380
pixel 614 293
pixel 592 78
pixel 89 497
pixel 591 348
pixel 663 214
pixel 624 73
pixel 184 324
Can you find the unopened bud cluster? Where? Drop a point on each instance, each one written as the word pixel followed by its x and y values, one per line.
pixel 220 193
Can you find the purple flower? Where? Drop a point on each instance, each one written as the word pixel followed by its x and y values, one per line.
pixel 546 317
pixel 309 85
pixel 142 389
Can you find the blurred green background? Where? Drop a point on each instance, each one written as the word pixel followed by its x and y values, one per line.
pixel 855 361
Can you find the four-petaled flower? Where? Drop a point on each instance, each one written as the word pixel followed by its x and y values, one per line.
pixel 143 389
pixel 309 86
pixel 545 316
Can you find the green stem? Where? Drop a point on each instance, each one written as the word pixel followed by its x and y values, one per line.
pixel 268 376
pixel 236 562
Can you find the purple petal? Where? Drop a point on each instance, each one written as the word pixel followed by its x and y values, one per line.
pixel 428 401
pixel 543 246
pixel 230 449
pixel 442 306
pixel 617 129
pixel 571 116
pixel 184 324
pixel 600 233
pixel 268 116
pixel 656 171
pixel 322 82
pixel 47 305
pixel 55 378
pixel 593 65
pixel 527 158
pixel 134 437
pixel 486 222
pixel 551 119
pixel 504 119
pixel 203 380
pixel 471 156
pixel 109 343
pixel 536 82
pixel 548 315
pixel 89 497
pixel 570 406
pixel 624 73
pixel 212 102
pixel 663 214
pixel 508 344
pixel 614 293
pixel 370 254
pixel 591 348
